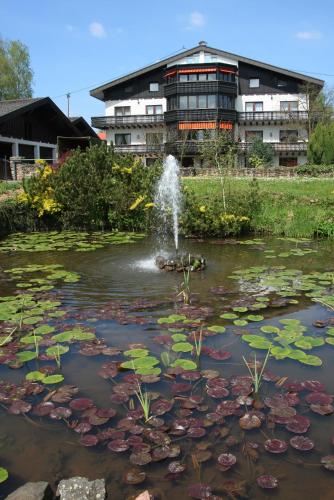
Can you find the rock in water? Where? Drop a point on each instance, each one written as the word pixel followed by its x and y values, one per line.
pixel 80 488
pixel 32 491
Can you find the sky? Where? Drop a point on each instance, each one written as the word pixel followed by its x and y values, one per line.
pixel 76 45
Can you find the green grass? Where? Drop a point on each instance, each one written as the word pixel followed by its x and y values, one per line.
pixel 6 186
pixel 290 207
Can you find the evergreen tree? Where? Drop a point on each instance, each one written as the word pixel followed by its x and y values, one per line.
pixel 321 145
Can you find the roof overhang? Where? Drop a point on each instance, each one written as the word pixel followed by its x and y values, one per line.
pixel 98 92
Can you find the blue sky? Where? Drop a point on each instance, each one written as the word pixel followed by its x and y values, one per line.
pixel 79 44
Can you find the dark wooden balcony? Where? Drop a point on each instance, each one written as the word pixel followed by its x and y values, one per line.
pixel 183 147
pixel 110 122
pixel 156 149
pixel 262 117
pixel 205 87
pixel 199 115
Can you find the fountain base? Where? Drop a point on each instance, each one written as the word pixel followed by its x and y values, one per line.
pixel 180 263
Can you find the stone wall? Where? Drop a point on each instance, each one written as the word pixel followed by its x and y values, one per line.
pixel 20 170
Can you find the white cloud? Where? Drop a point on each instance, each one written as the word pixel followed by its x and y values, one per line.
pixel 308 35
pixel 96 29
pixel 196 20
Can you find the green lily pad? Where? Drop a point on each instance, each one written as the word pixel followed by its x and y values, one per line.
pixel 240 322
pixel 56 350
pixel 311 360
pixel 255 317
pixel 53 379
pixel 32 321
pixel 30 339
pixel 35 376
pixel 186 364
pixel 270 329
pixel 329 340
pixel 182 347
pixel 240 309
pixel 3 474
pixel 136 353
pixel 229 316
pixel 25 356
pixel 217 328
pixel 44 329
pixel 136 363
pixel 179 337
pixel 173 318
pixel 148 371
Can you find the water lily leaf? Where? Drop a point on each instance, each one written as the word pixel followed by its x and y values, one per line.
pixel 146 362
pixel 173 318
pixel 44 329
pixel 148 371
pixel 53 379
pixel 179 337
pixel 3 474
pixel 186 364
pixel 229 316
pixel 255 317
pixel 240 309
pixel 25 356
pixel 270 329
pixel 330 330
pixel 217 329
pixel 56 350
pixel 311 360
pixel 280 352
pixel 264 344
pixel 63 337
pixel 329 340
pixel 303 344
pixel 136 353
pixel 240 322
pixel 32 321
pixel 35 376
pixel 290 321
pixel 182 347
pixel 30 339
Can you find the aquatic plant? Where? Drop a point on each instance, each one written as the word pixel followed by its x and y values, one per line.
pixel 145 402
pixel 254 371
pixel 185 292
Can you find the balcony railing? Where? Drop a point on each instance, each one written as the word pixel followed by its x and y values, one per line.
pixel 140 148
pixel 278 146
pixel 269 116
pixel 204 87
pixel 106 122
pixel 214 114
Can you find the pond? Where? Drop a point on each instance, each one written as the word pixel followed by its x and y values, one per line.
pixel 87 334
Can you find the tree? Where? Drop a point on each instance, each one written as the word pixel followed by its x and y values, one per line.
pixel 261 154
pixel 321 145
pixel 219 149
pixel 16 74
pixel 318 103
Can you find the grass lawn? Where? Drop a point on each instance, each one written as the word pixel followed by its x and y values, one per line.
pixel 6 186
pixel 291 207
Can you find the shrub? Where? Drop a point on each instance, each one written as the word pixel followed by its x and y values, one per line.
pixel 313 170
pixel 321 145
pixel 261 154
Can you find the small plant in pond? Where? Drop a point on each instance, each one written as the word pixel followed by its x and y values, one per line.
pixel 255 372
pixel 198 343
pixel 145 402
pixel 57 356
pixel 185 285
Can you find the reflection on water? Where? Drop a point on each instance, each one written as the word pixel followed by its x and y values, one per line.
pixel 35 449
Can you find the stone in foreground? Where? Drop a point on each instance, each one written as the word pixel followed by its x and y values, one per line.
pixel 32 491
pixel 80 488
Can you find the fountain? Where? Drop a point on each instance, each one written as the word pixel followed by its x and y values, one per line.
pixel 168 201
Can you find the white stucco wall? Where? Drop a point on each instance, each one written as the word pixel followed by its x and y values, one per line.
pixel 271 133
pixel 138 106
pixel 138 135
pixel 271 102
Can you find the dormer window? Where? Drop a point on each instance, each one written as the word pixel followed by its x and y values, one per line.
pixel 254 83
pixel 154 87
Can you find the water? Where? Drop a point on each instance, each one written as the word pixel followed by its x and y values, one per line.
pixel 168 199
pixel 35 449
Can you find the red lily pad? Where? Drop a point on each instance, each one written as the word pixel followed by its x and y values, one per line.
pixel 322 409
pixel 82 427
pixel 200 491
pixel 320 398
pixel 217 392
pixel 119 398
pixel 43 409
pixel 64 394
pixel 81 404
pixel 298 424
pixel 134 477
pixel 18 407
pixel 118 445
pixel 314 385
pixel 275 446
pixel 249 422
pixel 60 412
pixel 267 482
pixel 89 440
pixel 180 387
pixel 177 467
pixel 226 461
pixel 161 407
pixel 301 443
pixel 196 432
pixel 140 458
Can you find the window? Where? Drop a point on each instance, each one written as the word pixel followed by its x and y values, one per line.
pixel 250 135
pixel 288 136
pixel 154 87
pixel 197 102
pixel 289 106
pixel 183 78
pixel 288 162
pixel 154 138
pixel 200 77
pixel 192 77
pixel 171 103
pixel 122 139
pixel 226 102
pixel 226 76
pixel 155 109
pixel 122 110
pixel 254 83
pixel 253 106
